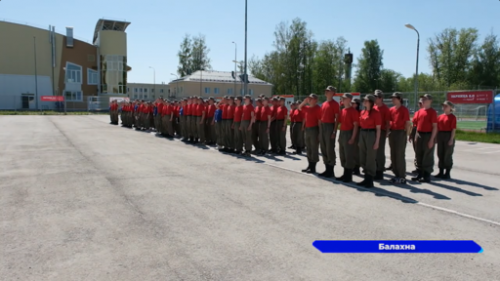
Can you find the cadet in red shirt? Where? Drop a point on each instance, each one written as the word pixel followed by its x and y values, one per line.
pixel 201 113
pixel 229 134
pixel 265 125
pixel 281 122
pixel 349 123
pixel 293 107
pixel 298 128
pixel 209 122
pixel 167 119
pixel 256 125
pixel 447 125
pixel 274 130
pixel 159 108
pixel 369 139
pixel 411 138
pixel 313 115
pixel 247 120
pixel 385 115
pixel 424 140
pixel 330 110
pixel 235 126
pixel 400 127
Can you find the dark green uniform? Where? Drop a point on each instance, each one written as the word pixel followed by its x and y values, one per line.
pixel 367 155
pixel 397 143
pixel 312 144
pixel 346 150
pixel 444 150
pixel 327 144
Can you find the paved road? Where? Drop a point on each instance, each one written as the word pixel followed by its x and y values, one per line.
pixel 85 200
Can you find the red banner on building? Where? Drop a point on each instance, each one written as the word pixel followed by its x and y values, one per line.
pixel 52 98
pixel 470 97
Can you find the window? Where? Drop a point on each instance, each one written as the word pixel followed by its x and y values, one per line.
pixel 92 77
pixel 250 92
pixel 161 91
pixel 230 91
pixel 73 96
pixel 152 90
pixel 145 90
pixel 182 89
pixel 135 96
pixel 242 91
pixel 140 90
pixel 128 90
pixel 145 96
pixel 207 90
pixel 216 91
pixel 73 73
pixel 135 90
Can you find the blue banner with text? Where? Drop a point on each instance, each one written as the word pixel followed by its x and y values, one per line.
pixel 397 246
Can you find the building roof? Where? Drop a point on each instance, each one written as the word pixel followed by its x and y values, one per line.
pixel 219 77
pixel 104 24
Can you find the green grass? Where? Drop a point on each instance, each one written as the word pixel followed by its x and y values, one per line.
pixel 477 137
pixel 49 113
pixel 472 125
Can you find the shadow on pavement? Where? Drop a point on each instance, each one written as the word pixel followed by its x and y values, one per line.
pixel 414 189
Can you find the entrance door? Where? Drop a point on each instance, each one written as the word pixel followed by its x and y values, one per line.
pixel 25 102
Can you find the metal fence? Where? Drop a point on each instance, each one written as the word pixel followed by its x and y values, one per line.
pixel 470 117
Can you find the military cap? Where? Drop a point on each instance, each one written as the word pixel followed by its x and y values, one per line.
pixel 211 98
pixel 356 101
pixel 396 95
pixel 313 96
pixel 347 96
pixel 370 97
pixel 275 98
pixel 248 97
pixel 331 89
pixel 426 97
pixel 282 98
pixel 238 98
pixel 449 103
pixel 379 94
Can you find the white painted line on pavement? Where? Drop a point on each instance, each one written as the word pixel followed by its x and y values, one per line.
pixel 488 152
pixel 402 198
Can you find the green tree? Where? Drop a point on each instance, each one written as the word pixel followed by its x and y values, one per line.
pixel 389 80
pixel 486 64
pixel 369 67
pixel 184 55
pixel 193 55
pixel 451 53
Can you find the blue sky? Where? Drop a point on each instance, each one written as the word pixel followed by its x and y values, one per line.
pixel 157 27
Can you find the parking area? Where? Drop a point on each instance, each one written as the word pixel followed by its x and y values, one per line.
pixel 85 200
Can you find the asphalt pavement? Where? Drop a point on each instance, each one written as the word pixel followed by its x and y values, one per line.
pixel 85 200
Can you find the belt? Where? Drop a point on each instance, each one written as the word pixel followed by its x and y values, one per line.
pixel 297 122
pixel 444 132
pixel 280 119
pixel 368 130
pixel 424 133
pixel 227 119
pixel 397 130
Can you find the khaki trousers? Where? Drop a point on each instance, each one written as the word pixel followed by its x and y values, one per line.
pixel 292 139
pixel 298 135
pixel 246 135
pixel 237 136
pixel 397 143
pixel 158 122
pixel 327 143
pixel 312 144
pixel 346 150
pixel 218 129
pixel 228 134
pixel 274 135
pixel 281 135
pixel 263 136
pixel 194 127
pixel 381 151
pixel 445 151
pixel 255 135
pixel 367 155
pixel 182 124
pixel 425 155
pixel 201 128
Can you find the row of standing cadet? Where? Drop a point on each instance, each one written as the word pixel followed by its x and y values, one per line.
pixel 235 125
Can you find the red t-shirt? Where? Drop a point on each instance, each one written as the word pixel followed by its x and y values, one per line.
pixel 281 113
pixel 167 109
pixel 224 108
pixel 199 109
pixel 159 107
pixel 370 119
pixel 210 111
pixel 328 111
pixel 265 112
pixel 298 116
pixel 348 116
pixel 247 112
pixel 145 109
pixel 230 111
pixel 238 112
pixel 187 110
pixel 177 111
pixel 274 111
pixel 313 115
pixel 399 117
pixel 385 115
pixel 257 113
pixel 425 119
pixel 292 119
pixel 447 123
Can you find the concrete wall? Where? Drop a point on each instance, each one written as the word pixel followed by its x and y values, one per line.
pixel 113 42
pixel 184 89
pixel 153 91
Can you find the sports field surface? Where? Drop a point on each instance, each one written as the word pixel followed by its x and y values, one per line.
pixel 85 200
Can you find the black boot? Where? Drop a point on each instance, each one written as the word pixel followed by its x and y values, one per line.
pixel 369 181
pixel 312 170
pixel 343 176
pixel 348 176
pixel 364 182
pixel 447 176
pixel 441 174
pixel 356 171
pixel 379 175
pixel 325 172
pixel 418 177
pixel 306 170
pixel 426 177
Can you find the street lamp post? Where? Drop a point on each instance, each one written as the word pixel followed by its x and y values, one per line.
pixel 36 75
pixel 245 75
pixel 416 71
pixel 235 62
pixel 154 80
pixel 177 81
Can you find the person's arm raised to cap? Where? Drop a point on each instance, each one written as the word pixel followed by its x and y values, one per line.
pixel 303 103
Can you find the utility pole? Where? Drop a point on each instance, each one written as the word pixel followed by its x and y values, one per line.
pixel 246 75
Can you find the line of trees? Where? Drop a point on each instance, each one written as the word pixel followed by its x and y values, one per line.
pixel 299 64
